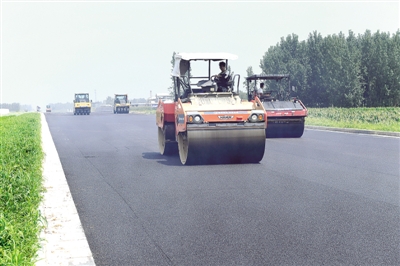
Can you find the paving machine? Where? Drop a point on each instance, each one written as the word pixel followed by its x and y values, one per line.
pixel 286 114
pixel 121 104
pixel 82 104
pixel 206 123
pixel 48 109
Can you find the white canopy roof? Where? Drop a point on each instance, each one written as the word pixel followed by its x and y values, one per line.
pixel 182 60
pixel 205 56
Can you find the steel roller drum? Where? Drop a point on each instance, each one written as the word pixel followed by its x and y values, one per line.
pixel 222 146
pixel 285 129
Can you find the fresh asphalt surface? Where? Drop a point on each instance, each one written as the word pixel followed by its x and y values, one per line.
pixel 328 198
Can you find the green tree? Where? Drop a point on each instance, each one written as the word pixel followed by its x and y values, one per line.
pixel 394 69
pixel 171 87
pixel 316 92
pixel 337 70
pixel 342 71
pixel 249 72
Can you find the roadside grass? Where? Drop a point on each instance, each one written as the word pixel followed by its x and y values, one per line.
pixel 21 158
pixel 379 118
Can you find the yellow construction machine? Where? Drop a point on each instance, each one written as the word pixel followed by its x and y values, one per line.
pixel 121 104
pixel 82 104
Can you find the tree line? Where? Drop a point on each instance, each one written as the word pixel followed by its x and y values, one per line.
pixel 16 107
pixel 339 70
pixel 13 107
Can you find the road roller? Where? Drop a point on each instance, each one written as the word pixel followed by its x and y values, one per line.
pixel 207 122
pixel 82 104
pixel 121 104
pixel 286 113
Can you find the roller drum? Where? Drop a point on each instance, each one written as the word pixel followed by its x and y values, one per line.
pixel 222 146
pixel 285 130
pixel 165 140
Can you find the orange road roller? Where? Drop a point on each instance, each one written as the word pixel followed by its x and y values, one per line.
pixel 207 122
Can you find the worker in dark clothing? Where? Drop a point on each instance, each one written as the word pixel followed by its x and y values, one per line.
pixel 222 78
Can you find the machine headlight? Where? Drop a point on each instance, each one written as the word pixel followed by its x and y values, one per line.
pixel 257 117
pixel 194 118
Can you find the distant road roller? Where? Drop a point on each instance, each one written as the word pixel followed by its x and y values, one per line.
pixel 286 114
pixel 208 123
pixel 82 104
pixel 121 104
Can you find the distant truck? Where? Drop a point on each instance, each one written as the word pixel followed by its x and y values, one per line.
pixel 121 104
pixel 82 104
pixel 48 109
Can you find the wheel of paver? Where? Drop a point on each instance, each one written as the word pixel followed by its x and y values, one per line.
pixel 74 113
pixel 165 147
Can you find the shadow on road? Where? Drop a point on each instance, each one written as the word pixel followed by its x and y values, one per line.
pixel 162 159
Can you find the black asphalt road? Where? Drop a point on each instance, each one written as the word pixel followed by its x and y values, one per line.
pixel 327 198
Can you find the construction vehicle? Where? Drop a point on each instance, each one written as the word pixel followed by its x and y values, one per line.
pixel 286 114
pixel 121 104
pixel 206 123
pixel 48 109
pixel 82 104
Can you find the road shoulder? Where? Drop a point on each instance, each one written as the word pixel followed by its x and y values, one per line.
pixel 63 239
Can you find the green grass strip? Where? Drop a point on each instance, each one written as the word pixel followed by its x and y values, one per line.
pixel 380 118
pixel 21 188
